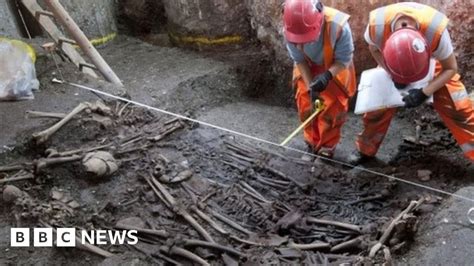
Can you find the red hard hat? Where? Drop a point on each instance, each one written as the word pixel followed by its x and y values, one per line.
pixel 407 56
pixel 303 20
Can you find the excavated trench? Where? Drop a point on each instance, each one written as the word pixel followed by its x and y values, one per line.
pixel 268 205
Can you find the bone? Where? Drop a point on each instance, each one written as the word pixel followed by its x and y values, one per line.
pixel 40 164
pixel 415 141
pixel 183 213
pixel 43 136
pixel 132 149
pixel 312 246
pixel 47 162
pixel 15 167
pixel 387 256
pixel 123 109
pixel 351 227
pixel 93 249
pixel 240 168
pixel 241 149
pixel 100 163
pixel 248 242
pixel 157 193
pixel 388 232
pixel 153 256
pixel 241 158
pixel 167 130
pixel 54 153
pixel 11 193
pixel 209 220
pixel 351 244
pixel 418 133
pixel 284 176
pixel 20 176
pixel 182 176
pixel 255 193
pixel 36 114
pixel 133 140
pixel 198 243
pixel 270 182
pixel 231 223
pixel 185 254
pixel 371 198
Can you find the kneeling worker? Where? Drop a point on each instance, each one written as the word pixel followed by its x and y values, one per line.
pixel 402 38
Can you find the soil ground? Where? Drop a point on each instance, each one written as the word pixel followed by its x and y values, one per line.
pixel 231 89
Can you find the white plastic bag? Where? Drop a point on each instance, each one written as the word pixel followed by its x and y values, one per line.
pixel 377 91
pixel 17 71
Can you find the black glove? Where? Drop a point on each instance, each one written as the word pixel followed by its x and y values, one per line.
pixel 414 98
pixel 400 86
pixel 319 84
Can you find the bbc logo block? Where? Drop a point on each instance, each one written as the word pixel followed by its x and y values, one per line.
pixel 66 237
pixel 42 237
pixel 20 237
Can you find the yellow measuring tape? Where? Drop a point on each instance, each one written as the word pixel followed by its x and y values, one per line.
pixel 319 108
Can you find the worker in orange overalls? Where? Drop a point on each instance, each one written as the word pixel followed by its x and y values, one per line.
pixel 319 40
pixel 402 38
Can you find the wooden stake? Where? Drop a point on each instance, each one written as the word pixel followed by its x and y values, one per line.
pixel 66 20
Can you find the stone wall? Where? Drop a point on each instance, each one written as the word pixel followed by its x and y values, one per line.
pixel 8 26
pixel 97 18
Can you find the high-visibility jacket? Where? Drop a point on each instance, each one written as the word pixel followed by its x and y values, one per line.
pixel 432 24
pixel 324 133
pixel 334 22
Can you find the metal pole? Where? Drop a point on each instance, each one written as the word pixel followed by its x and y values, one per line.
pixel 65 19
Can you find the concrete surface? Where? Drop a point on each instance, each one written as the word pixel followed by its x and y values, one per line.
pixel 448 238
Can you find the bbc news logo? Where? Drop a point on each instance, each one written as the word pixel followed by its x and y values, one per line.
pixel 66 237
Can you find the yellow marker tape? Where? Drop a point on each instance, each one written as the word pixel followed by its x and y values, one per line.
pixel 22 46
pixel 319 108
pixel 202 40
pixel 32 53
pixel 103 40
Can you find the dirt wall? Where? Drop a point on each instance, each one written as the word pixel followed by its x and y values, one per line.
pixel 141 17
pixel 207 23
pixel 8 25
pixel 266 21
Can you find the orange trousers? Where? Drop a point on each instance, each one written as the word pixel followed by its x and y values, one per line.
pixel 452 104
pixel 324 132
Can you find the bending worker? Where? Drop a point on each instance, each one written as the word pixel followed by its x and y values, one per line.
pixel 319 40
pixel 403 37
